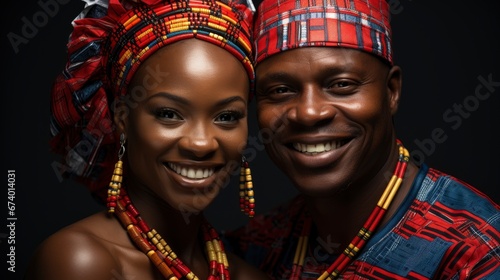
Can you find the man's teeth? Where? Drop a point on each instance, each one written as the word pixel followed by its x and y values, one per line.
pixel 316 148
pixel 192 173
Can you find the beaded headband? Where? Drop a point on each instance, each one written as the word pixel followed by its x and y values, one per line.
pixel 144 29
pixel 110 40
pixel 289 24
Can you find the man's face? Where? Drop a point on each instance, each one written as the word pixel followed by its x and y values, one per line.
pixel 330 112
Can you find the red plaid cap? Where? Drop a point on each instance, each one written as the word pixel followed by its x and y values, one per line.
pixel 110 40
pixel 282 25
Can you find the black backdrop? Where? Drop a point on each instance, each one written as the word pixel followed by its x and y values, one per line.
pixel 447 52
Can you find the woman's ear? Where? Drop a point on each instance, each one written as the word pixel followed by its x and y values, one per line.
pixel 394 84
pixel 121 114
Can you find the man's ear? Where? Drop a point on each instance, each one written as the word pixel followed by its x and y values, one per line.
pixel 394 84
pixel 121 115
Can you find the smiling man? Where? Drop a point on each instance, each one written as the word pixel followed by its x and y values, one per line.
pixel 328 88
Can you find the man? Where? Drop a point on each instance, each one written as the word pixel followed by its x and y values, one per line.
pixel 327 88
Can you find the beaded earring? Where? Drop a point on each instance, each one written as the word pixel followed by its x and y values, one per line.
pixel 247 199
pixel 116 179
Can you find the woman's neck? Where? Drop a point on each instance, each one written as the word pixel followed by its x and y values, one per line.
pixel 181 230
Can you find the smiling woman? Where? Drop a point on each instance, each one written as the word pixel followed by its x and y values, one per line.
pixel 153 107
pixel 186 133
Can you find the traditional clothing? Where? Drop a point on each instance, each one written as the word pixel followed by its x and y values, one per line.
pixel 110 40
pixel 444 229
pixel 356 24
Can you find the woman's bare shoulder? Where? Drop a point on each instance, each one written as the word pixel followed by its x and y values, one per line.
pixel 79 251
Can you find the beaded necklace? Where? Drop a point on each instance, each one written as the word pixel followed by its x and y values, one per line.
pixel 159 252
pixel 358 242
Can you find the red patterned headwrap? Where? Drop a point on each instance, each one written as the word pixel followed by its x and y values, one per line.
pixel 109 42
pixel 288 24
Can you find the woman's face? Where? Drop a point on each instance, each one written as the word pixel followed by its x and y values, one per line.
pixel 185 123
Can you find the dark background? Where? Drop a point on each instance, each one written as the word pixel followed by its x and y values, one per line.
pixel 442 49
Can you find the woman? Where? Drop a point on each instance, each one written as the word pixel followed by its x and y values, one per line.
pixel 161 89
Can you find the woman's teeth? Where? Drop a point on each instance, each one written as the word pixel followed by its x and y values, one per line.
pixel 192 173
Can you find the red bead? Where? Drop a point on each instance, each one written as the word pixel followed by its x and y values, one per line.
pixel 132 210
pixel 142 225
pixel 183 269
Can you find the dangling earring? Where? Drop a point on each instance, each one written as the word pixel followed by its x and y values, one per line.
pixel 116 179
pixel 247 199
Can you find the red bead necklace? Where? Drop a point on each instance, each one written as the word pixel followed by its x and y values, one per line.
pixel 159 252
pixel 358 242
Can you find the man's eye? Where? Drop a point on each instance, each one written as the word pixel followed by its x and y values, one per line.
pixel 342 84
pixel 276 91
pixel 281 90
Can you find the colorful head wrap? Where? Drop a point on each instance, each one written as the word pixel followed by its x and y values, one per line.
pixel 289 24
pixel 109 42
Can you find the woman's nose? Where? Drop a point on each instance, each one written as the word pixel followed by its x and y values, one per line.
pixel 199 141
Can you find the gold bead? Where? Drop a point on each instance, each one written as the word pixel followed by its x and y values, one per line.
pixel 116 178
pixel 160 247
pixel 118 171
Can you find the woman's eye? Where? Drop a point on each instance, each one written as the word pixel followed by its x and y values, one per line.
pixel 228 117
pixel 168 114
